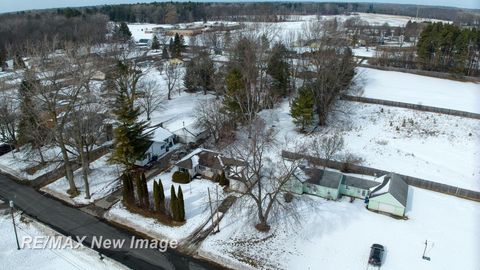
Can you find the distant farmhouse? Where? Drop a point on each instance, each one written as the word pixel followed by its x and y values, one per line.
pixel 389 196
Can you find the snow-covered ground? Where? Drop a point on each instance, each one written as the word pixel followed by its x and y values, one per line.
pixel 431 146
pixel 11 258
pixel 338 235
pixel 103 178
pixel 197 210
pixel 16 163
pixel 430 91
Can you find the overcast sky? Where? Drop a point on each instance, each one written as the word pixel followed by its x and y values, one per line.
pixel 16 5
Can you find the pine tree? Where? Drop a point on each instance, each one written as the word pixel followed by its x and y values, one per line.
pixel 139 186
pixel 234 89
pixel 181 205
pixel 223 181
pixel 123 32
pixel 128 197
pixel 131 139
pixel 165 55
pixel 146 197
pixel 155 43
pixel 156 198
pixel 302 108
pixel 173 204
pixel 278 68
pixel 161 196
pixel 177 46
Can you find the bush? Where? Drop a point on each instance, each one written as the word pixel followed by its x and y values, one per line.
pixel 288 197
pixel 181 177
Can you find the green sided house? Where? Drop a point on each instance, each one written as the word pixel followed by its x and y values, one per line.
pixel 357 187
pixel 390 197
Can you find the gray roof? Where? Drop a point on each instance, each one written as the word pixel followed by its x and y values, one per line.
pixel 323 178
pixel 397 188
pixel 359 182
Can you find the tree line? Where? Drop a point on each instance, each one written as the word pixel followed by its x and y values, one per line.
pixel 440 47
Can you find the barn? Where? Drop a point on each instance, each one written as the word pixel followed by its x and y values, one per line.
pixel 390 197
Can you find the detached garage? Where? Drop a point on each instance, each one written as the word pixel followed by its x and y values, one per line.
pixel 390 197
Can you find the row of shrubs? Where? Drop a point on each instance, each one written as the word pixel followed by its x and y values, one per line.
pixel 184 178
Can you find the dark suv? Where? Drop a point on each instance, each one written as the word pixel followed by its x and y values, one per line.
pixel 376 254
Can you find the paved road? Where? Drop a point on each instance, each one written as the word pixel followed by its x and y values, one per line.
pixel 73 222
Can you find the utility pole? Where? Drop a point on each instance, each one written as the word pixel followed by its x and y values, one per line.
pixel 14 227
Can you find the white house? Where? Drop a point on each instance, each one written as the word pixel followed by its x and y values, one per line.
pixel 162 141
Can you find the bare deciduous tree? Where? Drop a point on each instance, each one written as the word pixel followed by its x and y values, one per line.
pixel 264 178
pixel 9 118
pixel 84 132
pixel 326 147
pixel 151 98
pixel 210 117
pixel 172 74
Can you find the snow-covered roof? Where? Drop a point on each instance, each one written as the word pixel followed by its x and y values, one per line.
pixel 394 185
pixel 160 134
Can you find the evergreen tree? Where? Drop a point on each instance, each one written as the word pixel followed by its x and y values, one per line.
pixel 139 186
pixel 159 196
pixel 146 197
pixel 156 199
pixel 165 55
pixel 161 193
pixel 302 108
pixel 131 139
pixel 173 204
pixel 181 205
pixel 177 47
pixel 278 68
pixel 123 32
pixel 223 181
pixel 233 95
pixel 128 196
pixel 155 43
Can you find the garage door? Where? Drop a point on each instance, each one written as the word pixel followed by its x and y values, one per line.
pixel 386 208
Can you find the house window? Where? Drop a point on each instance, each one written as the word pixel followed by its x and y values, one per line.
pixel 364 193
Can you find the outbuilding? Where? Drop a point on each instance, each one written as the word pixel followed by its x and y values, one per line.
pixel 390 197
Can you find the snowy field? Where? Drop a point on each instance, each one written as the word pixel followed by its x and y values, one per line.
pixel 338 235
pixel 416 89
pixel 431 146
pixel 197 210
pixel 11 258
pixel 102 178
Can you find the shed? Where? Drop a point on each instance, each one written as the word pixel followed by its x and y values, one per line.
pixel 390 197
